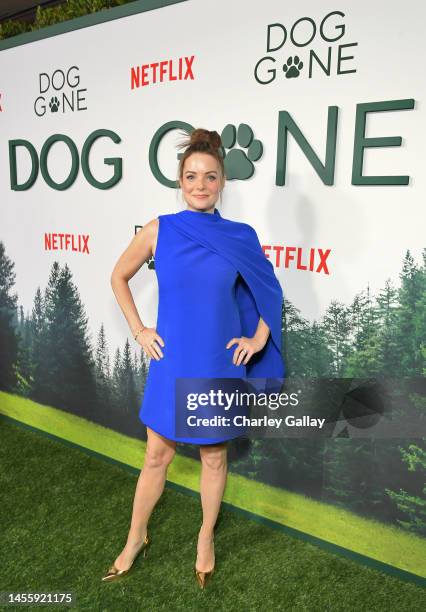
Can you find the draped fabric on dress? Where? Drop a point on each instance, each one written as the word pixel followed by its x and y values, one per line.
pixel 214 283
pixel 258 290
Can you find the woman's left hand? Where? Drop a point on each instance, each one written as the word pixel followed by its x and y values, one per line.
pixel 245 349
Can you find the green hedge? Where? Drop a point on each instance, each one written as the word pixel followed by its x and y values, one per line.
pixel 55 14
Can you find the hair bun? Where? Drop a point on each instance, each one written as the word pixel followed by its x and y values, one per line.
pixel 201 135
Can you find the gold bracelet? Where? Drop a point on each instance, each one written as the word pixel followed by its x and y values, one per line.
pixel 139 331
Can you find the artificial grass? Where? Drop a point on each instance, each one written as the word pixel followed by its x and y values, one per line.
pixel 65 517
pixel 371 538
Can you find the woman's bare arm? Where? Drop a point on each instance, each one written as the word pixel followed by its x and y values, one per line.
pixel 262 332
pixel 140 249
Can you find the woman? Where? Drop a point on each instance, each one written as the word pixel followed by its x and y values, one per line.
pixel 214 282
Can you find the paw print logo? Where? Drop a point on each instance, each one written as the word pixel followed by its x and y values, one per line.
pixel 54 104
pixel 292 69
pixel 238 163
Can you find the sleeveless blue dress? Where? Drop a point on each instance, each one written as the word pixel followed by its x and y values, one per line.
pixel 209 292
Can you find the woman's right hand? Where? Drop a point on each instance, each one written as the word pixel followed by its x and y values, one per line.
pixel 150 341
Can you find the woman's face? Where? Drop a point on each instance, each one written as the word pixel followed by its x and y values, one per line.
pixel 201 181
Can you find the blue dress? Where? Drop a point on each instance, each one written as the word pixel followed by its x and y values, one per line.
pixel 204 301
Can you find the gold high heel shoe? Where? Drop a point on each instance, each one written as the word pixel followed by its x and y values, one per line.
pixel 114 573
pixel 203 577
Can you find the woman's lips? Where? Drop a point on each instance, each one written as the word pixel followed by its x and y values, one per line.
pixel 201 196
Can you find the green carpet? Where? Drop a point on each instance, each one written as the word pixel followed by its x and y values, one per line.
pixel 374 543
pixel 65 517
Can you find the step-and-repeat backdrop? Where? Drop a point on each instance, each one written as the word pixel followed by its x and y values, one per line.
pixel 320 110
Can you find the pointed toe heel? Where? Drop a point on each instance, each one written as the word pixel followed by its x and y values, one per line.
pixel 203 577
pixel 114 573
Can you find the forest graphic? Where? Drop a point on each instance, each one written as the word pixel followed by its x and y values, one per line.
pixel 48 356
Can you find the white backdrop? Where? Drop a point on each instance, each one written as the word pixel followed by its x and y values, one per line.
pixel 367 228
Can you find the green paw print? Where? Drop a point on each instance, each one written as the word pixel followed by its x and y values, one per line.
pixel 238 163
pixel 54 104
pixel 292 70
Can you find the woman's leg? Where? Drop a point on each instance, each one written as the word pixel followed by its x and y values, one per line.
pixel 159 454
pixel 214 469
